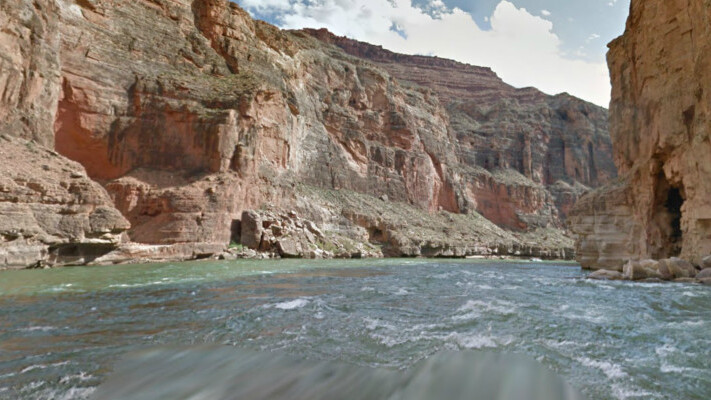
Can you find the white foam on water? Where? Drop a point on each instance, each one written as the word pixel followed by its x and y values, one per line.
pixel 665 350
pixel 613 371
pixel 81 376
pixel 367 289
pixel 372 324
pixel 621 392
pixel 401 292
pixel 468 316
pixel 291 305
pixel 43 366
pixel 689 323
pixel 33 386
pixel 647 285
pixel 74 393
pixel 390 341
pixel 38 328
pixel 477 307
pixel 33 367
pixel 561 344
pixel 589 316
pixel 477 341
pixel 666 368
pixel 133 285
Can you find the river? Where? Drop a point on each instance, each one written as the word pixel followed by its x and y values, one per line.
pixel 63 330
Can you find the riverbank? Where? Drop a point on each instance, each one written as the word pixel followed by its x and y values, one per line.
pixel 325 224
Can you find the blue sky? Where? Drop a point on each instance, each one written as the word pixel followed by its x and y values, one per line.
pixel 555 45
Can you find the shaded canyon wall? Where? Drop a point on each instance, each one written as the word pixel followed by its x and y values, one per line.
pixel 661 78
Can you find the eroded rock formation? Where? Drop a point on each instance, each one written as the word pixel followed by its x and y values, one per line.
pixel 188 112
pixel 659 123
pixel 525 157
pixel 51 213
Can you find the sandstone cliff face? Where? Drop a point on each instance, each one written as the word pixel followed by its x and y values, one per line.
pixel 51 213
pixel 660 132
pixel 189 113
pixel 525 156
pixel 204 90
pixel 29 69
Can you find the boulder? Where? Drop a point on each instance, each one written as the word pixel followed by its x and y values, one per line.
pixel 706 262
pixel 639 270
pixel 289 247
pixel 251 229
pixel 705 273
pixel 605 274
pixel 674 267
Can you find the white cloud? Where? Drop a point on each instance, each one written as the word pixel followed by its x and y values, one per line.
pixel 520 47
pixel 545 13
pixel 264 5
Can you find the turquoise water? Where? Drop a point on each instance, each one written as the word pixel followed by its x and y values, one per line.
pixel 61 331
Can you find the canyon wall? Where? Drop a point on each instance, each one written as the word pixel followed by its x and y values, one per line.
pixel 51 212
pixel 661 78
pixel 525 156
pixel 188 113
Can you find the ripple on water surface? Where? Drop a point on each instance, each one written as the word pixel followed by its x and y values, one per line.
pixel 61 331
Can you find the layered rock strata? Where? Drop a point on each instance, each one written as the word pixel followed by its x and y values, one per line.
pixel 525 156
pixel 661 207
pixel 189 113
pixel 51 213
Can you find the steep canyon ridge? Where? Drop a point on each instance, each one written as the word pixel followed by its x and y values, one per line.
pixel 659 122
pixel 168 129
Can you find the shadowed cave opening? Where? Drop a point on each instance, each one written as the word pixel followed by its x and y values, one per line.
pixel 673 206
pixel 669 201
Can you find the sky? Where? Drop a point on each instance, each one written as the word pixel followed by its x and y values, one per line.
pixel 554 45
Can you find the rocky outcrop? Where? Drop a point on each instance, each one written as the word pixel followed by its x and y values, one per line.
pixel 188 112
pixel 286 235
pixel 660 131
pixel 51 213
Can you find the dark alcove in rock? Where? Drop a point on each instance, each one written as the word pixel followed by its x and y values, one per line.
pixel 667 218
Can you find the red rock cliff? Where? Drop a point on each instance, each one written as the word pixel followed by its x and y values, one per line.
pixel 659 120
pixel 189 112
pixel 543 151
pixel 50 211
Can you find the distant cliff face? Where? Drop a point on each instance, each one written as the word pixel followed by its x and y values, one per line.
pixel 660 130
pixel 190 112
pixel 525 156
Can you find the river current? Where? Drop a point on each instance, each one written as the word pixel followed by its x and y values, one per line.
pixel 62 331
